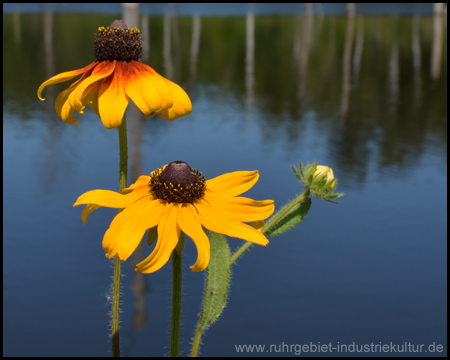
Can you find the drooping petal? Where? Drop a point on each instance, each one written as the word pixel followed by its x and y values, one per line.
pixel 65 110
pixel 142 215
pixel 91 97
pixel 133 89
pixel 233 184
pixel 61 104
pixel 168 235
pixel 63 77
pixel 181 103
pixel 62 107
pixel 128 227
pixel 240 208
pixel 109 198
pixel 155 83
pixel 112 99
pixel 102 70
pixel 87 210
pixel 214 222
pixel 141 89
pixel 189 222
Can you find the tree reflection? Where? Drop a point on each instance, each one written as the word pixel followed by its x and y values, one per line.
pixel 291 70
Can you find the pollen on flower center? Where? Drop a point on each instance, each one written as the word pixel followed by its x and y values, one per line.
pixel 177 183
pixel 118 42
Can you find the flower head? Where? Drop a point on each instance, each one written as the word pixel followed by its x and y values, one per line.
pixel 107 84
pixel 178 198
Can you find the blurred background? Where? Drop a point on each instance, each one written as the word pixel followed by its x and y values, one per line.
pixel 361 88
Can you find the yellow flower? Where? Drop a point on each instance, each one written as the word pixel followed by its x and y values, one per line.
pixel 178 198
pixel 108 83
pixel 321 170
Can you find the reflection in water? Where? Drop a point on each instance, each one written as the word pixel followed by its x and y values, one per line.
pixel 131 14
pixel 417 58
pixel 134 123
pixel 302 47
pixel 195 44
pixel 368 69
pixel 250 60
pixel 48 44
pixel 394 78
pixel 16 28
pixel 346 61
pixel 436 54
pixel 357 56
pixel 167 54
pixel 145 35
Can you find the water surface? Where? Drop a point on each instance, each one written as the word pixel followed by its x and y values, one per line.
pixel 366 95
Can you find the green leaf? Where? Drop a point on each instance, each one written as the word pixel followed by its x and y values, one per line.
pixel 152 235
pixel 294 169
pixel 301 170
pixel 333 196
pixel 290 219
pixel 216 291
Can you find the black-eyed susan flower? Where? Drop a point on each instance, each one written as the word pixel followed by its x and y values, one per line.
pixel 108 83
pixel 177 198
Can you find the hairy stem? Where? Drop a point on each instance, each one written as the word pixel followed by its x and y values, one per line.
pixel 117 262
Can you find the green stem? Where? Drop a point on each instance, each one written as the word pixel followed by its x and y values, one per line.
pixel 271 222
pixel 123 154
pixel 115 307
pixel 176 299
pixel 240 251
pixel 196 343
pixel 274 219
pixel 117 262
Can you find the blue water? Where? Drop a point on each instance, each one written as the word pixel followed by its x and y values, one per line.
pixel 369 270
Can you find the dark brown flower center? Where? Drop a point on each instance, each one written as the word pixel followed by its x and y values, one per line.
pixel 118 42
pixel 177 183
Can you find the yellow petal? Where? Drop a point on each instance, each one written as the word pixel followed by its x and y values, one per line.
pixel 240 208
pixel 90 97
pixel 112 100
pixel 87 210
pixel 102 70
pixel 233 184
pixel 168 235
pixel 258 225
pixel 161 87
pixel 214 222
pixel 62 107
pixel 63 77
pixel 109 198
pixel 141 182
pixel 131 226
pixel 134 88
pixel 143 87
pixel 66 111
pixel 126 219
pixel 181 103
pixel 189 222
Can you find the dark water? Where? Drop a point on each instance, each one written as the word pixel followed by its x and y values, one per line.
pixel 365 95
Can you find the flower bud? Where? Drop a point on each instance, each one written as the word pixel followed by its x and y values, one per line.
pixel 323 179
pixel 321 170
